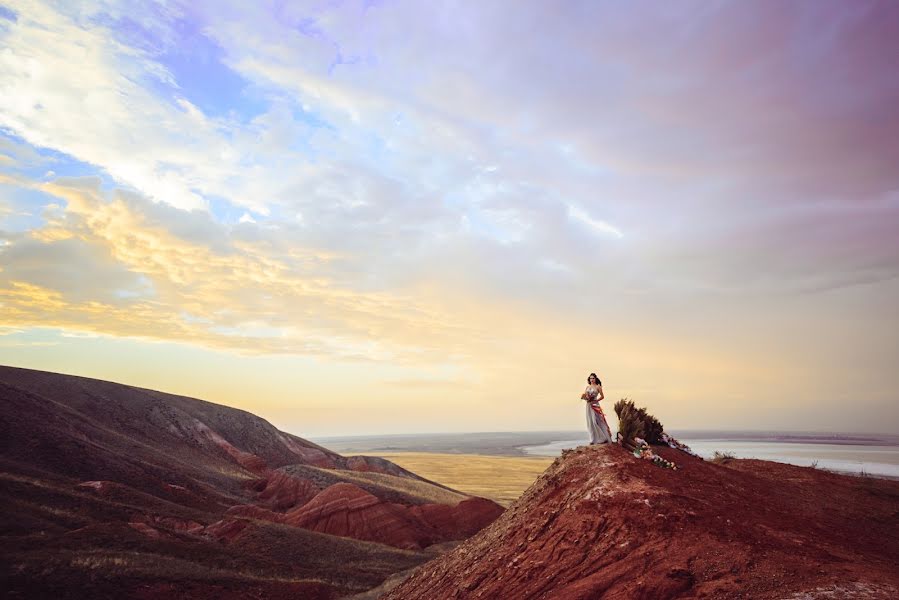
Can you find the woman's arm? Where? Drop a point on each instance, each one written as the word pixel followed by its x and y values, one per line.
pixel 601 395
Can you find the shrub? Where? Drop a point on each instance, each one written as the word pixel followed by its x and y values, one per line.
pixel 635 422
pixel 628 426
pixel 722 458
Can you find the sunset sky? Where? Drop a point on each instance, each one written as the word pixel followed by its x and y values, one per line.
pixel 386 217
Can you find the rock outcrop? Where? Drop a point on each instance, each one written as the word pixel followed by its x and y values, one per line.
pixel 459 521
pixel 283 491
pixel 602 524
pixel 347 510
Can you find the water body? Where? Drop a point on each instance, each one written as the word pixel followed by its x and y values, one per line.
pixel 872 454
pixel 859 454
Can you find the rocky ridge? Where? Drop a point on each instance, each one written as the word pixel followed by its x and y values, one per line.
pixel 600 523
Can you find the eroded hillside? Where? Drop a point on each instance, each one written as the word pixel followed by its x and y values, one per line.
pixel 601 523
pixel 115 491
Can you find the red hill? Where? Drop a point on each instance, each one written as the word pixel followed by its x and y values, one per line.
pixel 112 490
pixel 600 523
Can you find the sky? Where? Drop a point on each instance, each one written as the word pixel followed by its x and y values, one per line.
pixel 402 217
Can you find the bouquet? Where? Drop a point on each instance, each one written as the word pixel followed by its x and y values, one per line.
pixel 673 443
pixel 642 450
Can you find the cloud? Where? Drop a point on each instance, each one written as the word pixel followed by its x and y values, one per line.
pixel 120 109
pixel 95 109
pixel 123 266
pixel 596 225
pixel 16 154
pixel 689 129
pixel 385 117
pixel 350 167
pixel 79 270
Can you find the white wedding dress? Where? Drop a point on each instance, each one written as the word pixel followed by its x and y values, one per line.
pixel 596 420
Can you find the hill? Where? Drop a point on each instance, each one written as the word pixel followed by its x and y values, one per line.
pixel 116 491
pixel 600 523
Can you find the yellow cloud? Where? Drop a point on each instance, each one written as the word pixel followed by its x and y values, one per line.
pixel 515 360
pixel 51 234
pixel 241 297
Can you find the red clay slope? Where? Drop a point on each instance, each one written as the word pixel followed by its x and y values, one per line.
pixel 346 510
pixel 173 477
pixel 600 523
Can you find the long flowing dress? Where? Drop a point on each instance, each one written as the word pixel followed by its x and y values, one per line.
pixel 596 419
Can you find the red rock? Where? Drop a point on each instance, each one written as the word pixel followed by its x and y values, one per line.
pixel 158 523
pixel 176 524
pixel 184 496
pixel 309 454
pixel 460 521
pixel 283 491
pixel 226 530
pixel 249 511
pixel 145 529
pixel 99 486
pixel 247 460
pixel 347 510
pixel 600 523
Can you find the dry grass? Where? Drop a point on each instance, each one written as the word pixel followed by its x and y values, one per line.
pixel 93 562
pixel 635 422
pixel 149 564
pixel 500 478
pixel 422 491
pixel 722 458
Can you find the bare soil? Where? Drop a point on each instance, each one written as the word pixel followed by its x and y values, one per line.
pixel 601 523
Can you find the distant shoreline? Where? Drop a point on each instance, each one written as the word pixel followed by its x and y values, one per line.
pixel 851 439
pixel 850 454
pixel 512 443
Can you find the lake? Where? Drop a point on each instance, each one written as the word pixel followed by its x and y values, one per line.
pixel 858 453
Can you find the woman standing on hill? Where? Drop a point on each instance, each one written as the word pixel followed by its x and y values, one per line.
pixel 596 419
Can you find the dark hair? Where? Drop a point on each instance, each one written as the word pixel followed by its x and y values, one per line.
pixel 598 382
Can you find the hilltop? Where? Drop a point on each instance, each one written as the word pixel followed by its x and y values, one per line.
pixel 600 523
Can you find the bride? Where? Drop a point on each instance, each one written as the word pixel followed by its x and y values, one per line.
pixel 596 419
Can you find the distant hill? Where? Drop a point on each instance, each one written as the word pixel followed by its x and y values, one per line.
pixel 116 491
pixel 602 524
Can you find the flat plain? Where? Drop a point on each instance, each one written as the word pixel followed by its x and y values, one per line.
pixel 500 478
